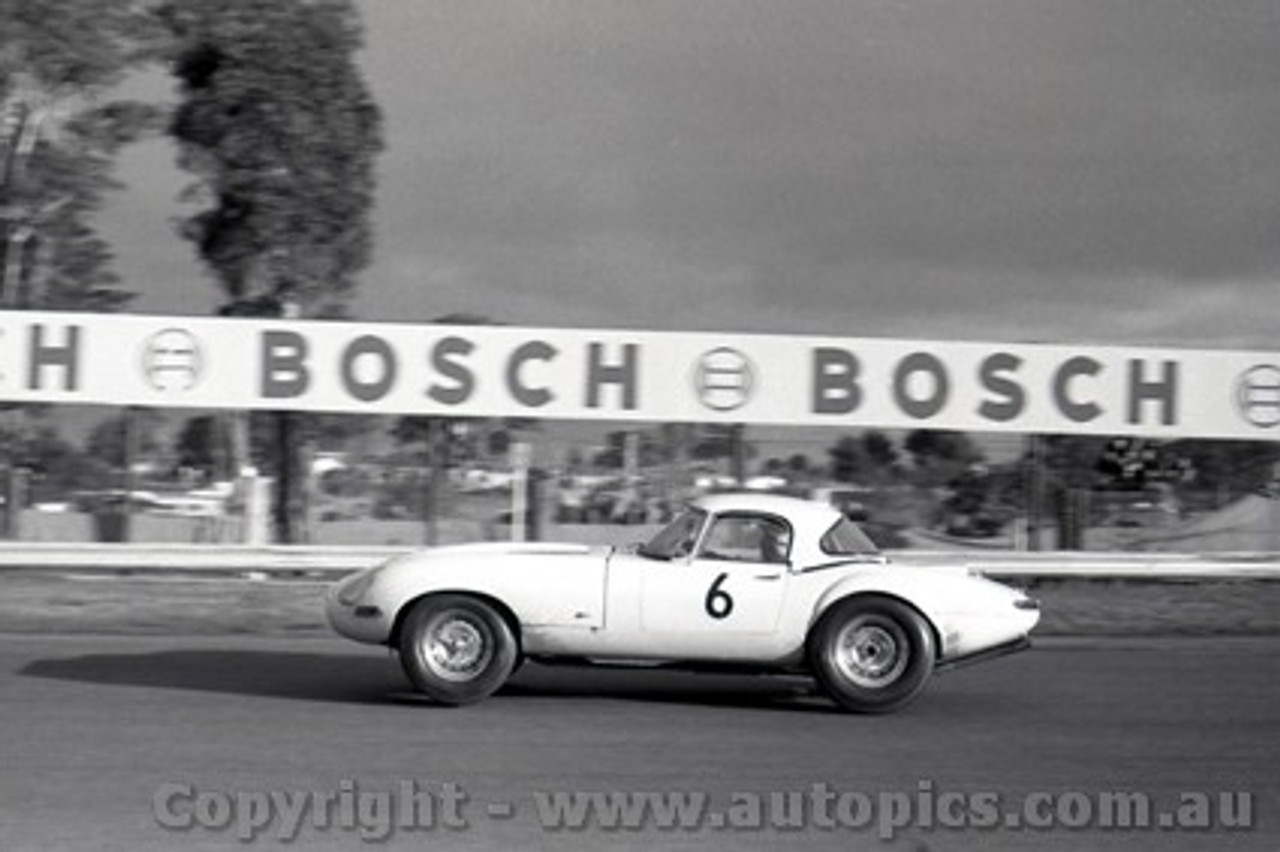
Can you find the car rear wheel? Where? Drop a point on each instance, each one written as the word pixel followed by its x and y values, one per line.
pixel 457 649
pixel 872 654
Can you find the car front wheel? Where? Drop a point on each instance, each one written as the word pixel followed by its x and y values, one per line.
pixel 872 654
pixel 457 649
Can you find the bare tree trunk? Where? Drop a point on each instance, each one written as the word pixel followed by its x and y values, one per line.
pixel 438 461
pixel 290 508
pixel 132 442
pixel 1035 491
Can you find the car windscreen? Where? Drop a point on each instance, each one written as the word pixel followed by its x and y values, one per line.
pixel 847 539
pixel 677 538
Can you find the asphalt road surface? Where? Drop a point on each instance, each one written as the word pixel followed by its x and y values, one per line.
pixel 156 743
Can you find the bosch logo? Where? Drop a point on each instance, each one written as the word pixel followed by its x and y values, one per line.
pixel 724 379
pixel 1258 395
pixel 172 360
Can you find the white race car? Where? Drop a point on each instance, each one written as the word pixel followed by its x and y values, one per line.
pixel 736 582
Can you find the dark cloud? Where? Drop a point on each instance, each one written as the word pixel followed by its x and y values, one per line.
pixel 985 168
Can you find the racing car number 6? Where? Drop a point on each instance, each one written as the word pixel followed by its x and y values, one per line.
pixel 718 602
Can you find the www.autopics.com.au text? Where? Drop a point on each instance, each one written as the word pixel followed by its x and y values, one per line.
pixel 376 813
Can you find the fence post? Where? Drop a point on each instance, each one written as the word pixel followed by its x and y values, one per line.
pixel 1035 491
pixel 15 494
pixel 521 455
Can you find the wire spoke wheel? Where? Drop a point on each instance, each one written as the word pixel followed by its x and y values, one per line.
pixel 457 649
pixel 871 654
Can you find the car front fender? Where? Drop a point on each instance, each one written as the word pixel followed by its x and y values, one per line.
pixel 546 587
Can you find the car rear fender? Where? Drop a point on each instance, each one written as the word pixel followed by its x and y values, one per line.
pixel 881 586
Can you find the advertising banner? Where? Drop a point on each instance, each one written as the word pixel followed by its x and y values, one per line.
pixel 611 374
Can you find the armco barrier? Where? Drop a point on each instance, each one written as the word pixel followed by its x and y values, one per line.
pixel 191 558
pixel 1109 565
pixel 328 562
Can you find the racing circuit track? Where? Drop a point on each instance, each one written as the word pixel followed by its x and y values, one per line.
pixel 96 726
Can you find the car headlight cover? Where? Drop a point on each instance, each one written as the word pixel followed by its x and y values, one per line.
pixel 353 588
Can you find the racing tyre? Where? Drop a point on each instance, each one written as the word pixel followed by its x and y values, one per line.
pixel 871 654
pixel 457 649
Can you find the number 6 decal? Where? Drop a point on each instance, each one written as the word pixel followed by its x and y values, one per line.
pixel 718 602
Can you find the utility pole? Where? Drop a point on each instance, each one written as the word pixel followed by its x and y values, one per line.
pixel 1035 490
pixel 738 452
pixel 438 460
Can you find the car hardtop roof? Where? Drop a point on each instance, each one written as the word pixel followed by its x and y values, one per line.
pixel 795 508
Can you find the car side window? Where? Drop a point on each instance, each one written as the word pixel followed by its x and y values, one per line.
pixel 677 539
pixel 846 538
pixel 747 538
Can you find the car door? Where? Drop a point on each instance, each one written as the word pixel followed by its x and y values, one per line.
pixel 725 599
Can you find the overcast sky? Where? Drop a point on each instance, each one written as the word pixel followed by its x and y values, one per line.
pixel 1058 170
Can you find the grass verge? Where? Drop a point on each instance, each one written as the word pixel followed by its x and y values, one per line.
pixel 36 603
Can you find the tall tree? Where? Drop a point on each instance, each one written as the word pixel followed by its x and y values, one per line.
pixel 277 125
pixel 56 466
pixel 59 132
pixel 879 450
pixel 872 458
pixel 60 129
pixel 1230 468
pixel 280 131
pixel 204 445
pixel 848 459
pixel 110 439
pixel 939 454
